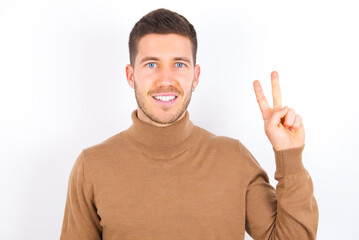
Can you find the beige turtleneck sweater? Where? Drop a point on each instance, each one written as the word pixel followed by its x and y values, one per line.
pixel 182 182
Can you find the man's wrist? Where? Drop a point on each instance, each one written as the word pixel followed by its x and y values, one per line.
pixel 288 161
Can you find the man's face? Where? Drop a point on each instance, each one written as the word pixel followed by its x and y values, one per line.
pixel 163 77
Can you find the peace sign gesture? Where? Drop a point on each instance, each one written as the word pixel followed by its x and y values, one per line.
pixel 283 127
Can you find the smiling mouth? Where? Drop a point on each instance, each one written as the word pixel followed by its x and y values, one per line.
pixel 165 98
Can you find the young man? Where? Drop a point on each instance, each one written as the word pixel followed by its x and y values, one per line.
pixel 165 178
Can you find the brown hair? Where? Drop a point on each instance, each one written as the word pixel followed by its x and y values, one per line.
pixel 161 21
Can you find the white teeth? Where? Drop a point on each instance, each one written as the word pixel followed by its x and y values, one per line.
pixel 165 98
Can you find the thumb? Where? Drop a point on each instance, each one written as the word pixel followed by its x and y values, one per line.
pixel 278 116
pixel 283 111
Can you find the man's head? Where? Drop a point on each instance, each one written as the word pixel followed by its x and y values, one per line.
pixel 163 70
pixel 161 21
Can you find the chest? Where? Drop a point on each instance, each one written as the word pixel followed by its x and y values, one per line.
pixel 163 203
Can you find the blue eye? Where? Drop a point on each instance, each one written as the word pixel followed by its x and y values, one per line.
pixel 151 65
pixel 179 65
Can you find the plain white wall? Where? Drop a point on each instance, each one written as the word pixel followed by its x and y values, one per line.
pixel 63 88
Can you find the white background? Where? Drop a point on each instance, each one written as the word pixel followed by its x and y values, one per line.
pixel 63 89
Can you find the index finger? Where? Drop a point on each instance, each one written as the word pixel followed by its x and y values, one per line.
pixel 261 99
pixel 276 92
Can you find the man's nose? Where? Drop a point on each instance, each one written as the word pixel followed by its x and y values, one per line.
pixel 167 76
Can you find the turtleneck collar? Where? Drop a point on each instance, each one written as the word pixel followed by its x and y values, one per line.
pixel 162 140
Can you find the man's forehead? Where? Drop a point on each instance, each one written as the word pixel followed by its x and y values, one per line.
pixel 164 43
pixel 160 46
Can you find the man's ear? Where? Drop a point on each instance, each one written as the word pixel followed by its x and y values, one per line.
pixel 197 71
pixel 129 76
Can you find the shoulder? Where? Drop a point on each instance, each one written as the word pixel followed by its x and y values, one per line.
pixel 223 144
pixel 106 150
pixel 218 142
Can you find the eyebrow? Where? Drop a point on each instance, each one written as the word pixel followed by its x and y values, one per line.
pixel 145 59
pixel 184 59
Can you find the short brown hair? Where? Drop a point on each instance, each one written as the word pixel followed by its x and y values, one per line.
pixel 161 21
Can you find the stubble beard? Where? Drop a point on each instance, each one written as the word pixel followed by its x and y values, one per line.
pixel 141 104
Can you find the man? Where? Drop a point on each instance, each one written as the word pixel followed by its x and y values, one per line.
pixel 164 178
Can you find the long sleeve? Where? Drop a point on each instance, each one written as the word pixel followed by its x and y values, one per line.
pixel 80 219
pixel 290 211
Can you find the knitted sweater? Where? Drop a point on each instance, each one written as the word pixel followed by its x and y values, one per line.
pixel 183 182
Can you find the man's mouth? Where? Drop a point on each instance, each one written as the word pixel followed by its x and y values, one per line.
pixel 165 98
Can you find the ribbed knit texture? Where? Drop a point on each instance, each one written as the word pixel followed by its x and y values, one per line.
pixel 183 182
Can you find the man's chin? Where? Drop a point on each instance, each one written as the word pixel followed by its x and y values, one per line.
pixel 166 118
